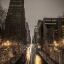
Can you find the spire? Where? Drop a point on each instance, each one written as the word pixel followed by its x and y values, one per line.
pixel 35 24
pixel 63 15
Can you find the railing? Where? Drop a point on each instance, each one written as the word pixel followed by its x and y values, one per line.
pixel 13 60
pixel 54 57
pixel 47 57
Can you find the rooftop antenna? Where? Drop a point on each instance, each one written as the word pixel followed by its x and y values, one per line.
pixel 35 22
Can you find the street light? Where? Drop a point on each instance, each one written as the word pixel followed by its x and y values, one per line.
pixel 6 43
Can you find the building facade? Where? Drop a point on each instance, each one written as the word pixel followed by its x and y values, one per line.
pixel 39 36
pixel 28 38
pixel 15 20
pixel 51 29
pixel 35 34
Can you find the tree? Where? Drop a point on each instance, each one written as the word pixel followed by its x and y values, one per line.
pixel 2 14
pixel 2 19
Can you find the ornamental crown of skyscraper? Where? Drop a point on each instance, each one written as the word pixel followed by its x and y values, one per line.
pixel 35 26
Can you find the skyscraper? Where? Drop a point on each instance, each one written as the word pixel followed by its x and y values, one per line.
pixel 35 34
pixel 15 20
pixel 28 39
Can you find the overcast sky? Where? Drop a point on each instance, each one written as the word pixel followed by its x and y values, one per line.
pixel 38 9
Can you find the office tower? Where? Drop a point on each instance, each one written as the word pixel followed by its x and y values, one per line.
pixel 15 20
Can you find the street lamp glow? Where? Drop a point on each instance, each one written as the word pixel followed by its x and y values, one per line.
pixel 63 41
pixel 6 43
pixel 56 44
pixel 28 54
pixel 39 46
pixel 38 60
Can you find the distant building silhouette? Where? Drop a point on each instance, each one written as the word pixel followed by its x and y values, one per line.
pixel 28 39
pixel 35 34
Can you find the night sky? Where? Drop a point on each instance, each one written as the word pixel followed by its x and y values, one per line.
pixel 38 9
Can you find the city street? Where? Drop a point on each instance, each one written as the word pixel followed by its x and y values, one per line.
pixel 28 57
pixel 31 57
pixel 31 31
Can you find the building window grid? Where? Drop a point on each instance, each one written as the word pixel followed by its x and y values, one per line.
pixel 16 2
